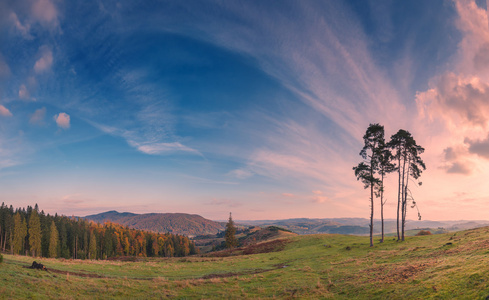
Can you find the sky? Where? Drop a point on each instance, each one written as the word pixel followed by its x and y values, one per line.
pixel 256 108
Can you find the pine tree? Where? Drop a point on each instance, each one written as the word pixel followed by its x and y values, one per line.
pixel 92 252
pixel 366 170
pixel 20 232
pixel 53 241
pixel 409 165
pixel 35 235
pixel 385 166
pixel 231 241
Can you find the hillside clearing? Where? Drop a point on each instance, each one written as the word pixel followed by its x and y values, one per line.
pixel 444 266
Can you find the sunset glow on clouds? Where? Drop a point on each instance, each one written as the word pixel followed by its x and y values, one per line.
pixel 256 108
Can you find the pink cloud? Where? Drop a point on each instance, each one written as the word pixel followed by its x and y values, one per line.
pixel 45 12
pixel 4 111
pixel 479 147
pixel 62 120
pixel 456 102
pixel 38 116
pixel 457 99
pixel 319 197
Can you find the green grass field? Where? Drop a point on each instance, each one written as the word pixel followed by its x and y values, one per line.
pixel 444 266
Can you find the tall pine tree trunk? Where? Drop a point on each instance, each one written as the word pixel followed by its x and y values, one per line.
pixel 399 191
pixel 382 206
pixel 371 206
pixel 404 212
pixel 403 200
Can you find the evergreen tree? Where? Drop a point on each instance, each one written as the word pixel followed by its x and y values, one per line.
pixel 20 232
pixel 35 234
pixel 409 165
pixel 53 241
pixel 385 166
pixel 230 235
pixel 366 170
pixel 92 252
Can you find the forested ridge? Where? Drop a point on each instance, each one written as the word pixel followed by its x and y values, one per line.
pixel 32 232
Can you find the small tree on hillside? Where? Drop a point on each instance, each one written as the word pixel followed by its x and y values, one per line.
pixel 231 241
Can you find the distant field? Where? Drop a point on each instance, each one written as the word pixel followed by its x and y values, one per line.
pixel 443 266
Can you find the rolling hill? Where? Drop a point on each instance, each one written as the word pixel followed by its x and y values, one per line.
pixel 444 266
pixel 176 223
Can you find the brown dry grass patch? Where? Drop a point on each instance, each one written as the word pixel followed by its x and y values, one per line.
pixel 397 274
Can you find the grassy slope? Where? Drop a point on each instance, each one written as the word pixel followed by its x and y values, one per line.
pixel 309 267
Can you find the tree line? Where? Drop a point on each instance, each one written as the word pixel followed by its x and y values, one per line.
pixel 402 155
pixel 32 232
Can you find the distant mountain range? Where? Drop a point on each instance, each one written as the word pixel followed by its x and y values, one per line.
pixel 176 223
pixel 194 225
pixel 360 226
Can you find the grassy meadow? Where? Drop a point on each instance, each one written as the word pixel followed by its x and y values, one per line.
pixel 444 266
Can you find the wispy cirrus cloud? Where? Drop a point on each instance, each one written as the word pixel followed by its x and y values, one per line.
pixel 162 148
pixel 224 202
pixel 336 74
pixel 23 29
pixel 143 145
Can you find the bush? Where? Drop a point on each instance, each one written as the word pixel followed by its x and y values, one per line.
pixel 423 232
pixel 1 258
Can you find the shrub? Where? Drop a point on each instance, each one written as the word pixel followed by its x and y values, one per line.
pixel 1 258
pixel 423 232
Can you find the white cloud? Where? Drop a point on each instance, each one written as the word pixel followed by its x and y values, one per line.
pixel 4 111
pixel 38 116
pixel 162 148
pixel 62 120
pixel 45 61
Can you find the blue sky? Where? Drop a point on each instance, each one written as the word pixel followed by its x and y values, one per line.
pixel 252 107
